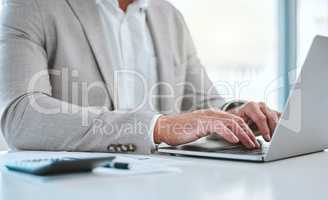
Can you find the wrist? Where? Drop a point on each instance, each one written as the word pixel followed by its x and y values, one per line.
pixel 157 137
pixel 158 130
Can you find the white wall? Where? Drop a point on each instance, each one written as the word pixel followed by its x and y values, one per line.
pixel 312 20
pixel 237 41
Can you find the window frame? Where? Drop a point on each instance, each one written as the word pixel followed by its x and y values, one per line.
pixel 287 47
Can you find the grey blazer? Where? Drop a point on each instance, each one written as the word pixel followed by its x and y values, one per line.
pixel 52 51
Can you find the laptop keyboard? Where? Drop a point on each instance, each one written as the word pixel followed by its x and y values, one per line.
pixel 244 151
pixel 231 149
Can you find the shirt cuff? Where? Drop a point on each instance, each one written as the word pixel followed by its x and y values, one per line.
pixel 152 129
pixel 232 104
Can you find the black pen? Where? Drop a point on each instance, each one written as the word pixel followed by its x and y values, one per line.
pixel 118 165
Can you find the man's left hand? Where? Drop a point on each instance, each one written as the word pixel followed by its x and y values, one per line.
pixel 258 114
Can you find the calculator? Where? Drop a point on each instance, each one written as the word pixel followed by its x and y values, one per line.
pixel 52 166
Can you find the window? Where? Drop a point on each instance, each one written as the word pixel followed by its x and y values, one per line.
pixel 312 19
pixel 238 43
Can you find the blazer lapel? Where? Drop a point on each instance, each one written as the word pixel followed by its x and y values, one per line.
pixel 158 27
pixel 87 13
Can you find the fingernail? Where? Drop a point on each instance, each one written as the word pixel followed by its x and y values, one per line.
pixel 267 137
pixel 235 139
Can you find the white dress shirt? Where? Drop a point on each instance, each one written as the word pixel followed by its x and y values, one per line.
pixel 132 55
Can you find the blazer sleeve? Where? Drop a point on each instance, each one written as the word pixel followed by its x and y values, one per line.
pixel 200 92
pixel 31 119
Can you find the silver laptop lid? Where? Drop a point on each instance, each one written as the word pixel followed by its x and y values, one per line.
pixel 303 127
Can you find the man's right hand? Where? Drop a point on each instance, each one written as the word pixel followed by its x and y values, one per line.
pixel 189 127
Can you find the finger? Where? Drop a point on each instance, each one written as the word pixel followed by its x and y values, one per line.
pixel 272 118
pixel 247 130
pixel 259 118
pixel 227 134
pixel 240 133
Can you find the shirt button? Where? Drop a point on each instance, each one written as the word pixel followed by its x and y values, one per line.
pixel 111 149
pixel 131 147
pixel 124 148
pixel 118 149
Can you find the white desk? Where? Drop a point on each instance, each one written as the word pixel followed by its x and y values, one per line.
pixel 200 179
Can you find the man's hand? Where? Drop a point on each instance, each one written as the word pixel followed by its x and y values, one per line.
pixel 260 115
pixel 189 127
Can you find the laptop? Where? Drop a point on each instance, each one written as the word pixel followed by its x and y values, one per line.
pixel 302 129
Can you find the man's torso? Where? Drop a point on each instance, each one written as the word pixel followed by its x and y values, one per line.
pixel 76 51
